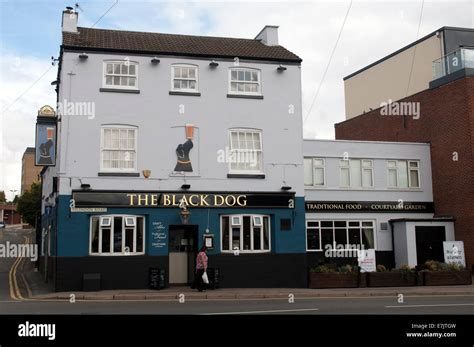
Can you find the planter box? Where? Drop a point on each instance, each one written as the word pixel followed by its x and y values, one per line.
pixel 446 278
pixel 391 279
pixel 332 280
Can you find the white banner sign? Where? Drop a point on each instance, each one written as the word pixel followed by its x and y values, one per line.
pixel 454 252
pixel 366 260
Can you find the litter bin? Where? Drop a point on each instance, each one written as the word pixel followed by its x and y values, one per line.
pixel 213 274
pixel 156 278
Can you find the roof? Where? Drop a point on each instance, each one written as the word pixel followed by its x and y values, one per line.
pixel 29 150
pixel 171 44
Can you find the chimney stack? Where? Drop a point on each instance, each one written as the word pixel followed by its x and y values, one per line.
pixel 69 23
pixel 268 35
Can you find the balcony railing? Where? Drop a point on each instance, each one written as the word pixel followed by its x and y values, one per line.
pixel 457 60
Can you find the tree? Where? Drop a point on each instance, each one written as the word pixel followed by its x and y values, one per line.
pixel 29 204
pixel 2 197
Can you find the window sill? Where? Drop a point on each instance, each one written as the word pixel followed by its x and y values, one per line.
pixel 119 90
pixel 184 93
pixel 259 176
pixel 243 96
pixel 115 254
pixel 246 252
pixel 119 174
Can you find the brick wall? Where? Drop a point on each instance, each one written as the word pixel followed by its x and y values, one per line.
pixel 447 122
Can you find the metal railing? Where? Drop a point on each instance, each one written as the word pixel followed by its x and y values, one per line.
pixel 452 62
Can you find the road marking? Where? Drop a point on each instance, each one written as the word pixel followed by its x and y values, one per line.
pixel 432 305
pixel 15 292
pixel 258 312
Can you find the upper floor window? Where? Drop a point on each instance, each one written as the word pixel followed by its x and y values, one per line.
pixel 119 148
pixel 117 235
pixel 244 81
pixel 356 173
pixel 184 78
pixel 245 233
pixel 403 173
pixel 121 74
pixel 246 151
pixel 314 174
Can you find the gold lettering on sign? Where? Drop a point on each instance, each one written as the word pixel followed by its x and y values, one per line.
pixel 154 199
pixel 166 200
pixel 204 200
pixel 131 196
pixel 144 198
pixel 218 200
pixel 242 202
pixel 194 200
pixel 230 200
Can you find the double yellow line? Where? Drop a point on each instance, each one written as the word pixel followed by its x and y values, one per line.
pixel 15 292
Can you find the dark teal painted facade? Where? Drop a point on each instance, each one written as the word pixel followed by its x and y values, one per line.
pixel 74 227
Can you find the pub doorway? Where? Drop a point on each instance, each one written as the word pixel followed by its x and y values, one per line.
pixel 429 243
pixel 182 249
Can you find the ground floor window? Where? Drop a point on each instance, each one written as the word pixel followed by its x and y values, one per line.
pixel 335 233
pixel 117 235
pixel 245 233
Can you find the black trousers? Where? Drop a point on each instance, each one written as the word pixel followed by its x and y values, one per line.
pixel 198 282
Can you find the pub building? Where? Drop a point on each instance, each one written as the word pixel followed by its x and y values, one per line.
pixel 371 195
pixel 194 140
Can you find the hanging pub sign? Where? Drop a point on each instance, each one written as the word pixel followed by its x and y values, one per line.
pixel 369 206
pixel 45 144
pixel 93 199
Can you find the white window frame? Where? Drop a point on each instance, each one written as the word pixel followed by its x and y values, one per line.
pixel 258 83
pixel 313 168
pixel 253 131
pixel 186 90
pixel 398 170
pixel 111 227
pixel 362 169
pixel 113 86
pixel 102 148
pixel 241 228
pixel 347 221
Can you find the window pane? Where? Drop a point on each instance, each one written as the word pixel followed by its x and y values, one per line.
pixel 254 76
pixel 177 72
pixel 117 69
pixel 139 234
pixel 392 163
pixel 95 235
pixel 192 73
pixel 241 75
pixel 233 75
pixel 235 238
pixel 341 236
pixel 354 236
pixel 256 141
pixel 131 69
pixel 108 80
pixel 368 238
pixel 326 237
pixel 413 164
pixel 246 232
pixel 192 84
pixel 132 81
pixel 233 86
pixel 313 238
pixel 414 179
pixel 326 224
pixel 117 234
pixel 308 172
pixel 225 233
pixel 105 240
pixel 402 174
pixel 129 232
pixel 340 224
pixel 266 233
pixel 257 233
pixel 319 177
pixel 356 178
pixel 367 178
pixel 392 178
pixel 116 81
pixel 344 177
pixel 124 69
pixel 313 224
pixel 109 68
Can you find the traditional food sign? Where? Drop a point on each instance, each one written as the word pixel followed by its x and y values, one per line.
pixel 369 206
pixel 454 253
pixel 45 143
pixel 96 199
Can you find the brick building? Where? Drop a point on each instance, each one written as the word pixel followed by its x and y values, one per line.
pixel 29 172
pixel 446 121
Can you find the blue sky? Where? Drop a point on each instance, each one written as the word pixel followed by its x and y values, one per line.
pixel 30 33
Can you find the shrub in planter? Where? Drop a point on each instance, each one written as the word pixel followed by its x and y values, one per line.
pixel 402 277
pixel 441 274
pixel 328 276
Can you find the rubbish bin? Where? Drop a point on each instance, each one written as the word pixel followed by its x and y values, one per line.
pixel 213 274
pixel 156 278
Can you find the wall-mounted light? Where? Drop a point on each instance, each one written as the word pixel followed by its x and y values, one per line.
pixel 155 60
pixel 213 64
pixel 54 83
pixel 286 188
pixel 186 186
pixel 83 56
pixel 281 68
pixel 85 186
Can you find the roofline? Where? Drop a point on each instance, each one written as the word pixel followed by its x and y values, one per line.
pixel 365 141
pixel 402 49
pixel 180 54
